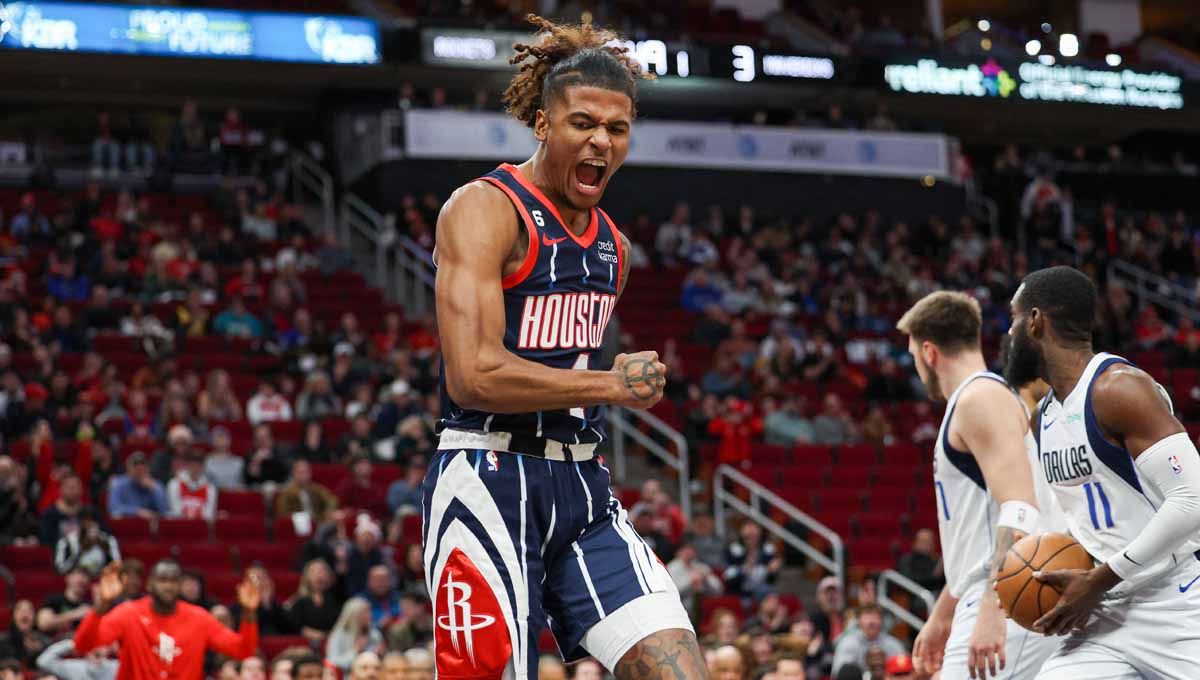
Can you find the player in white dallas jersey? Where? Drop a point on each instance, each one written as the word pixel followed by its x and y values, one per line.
pixel 985 496
pixel 1128 479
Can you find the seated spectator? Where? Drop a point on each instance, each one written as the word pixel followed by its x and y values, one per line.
pixel 551 667
pixel 790 666
pixel 238 322
pixel 771 617
pixel 268 405
pixel 61 612
pixel 400 404
pixel 65 334
pixel 888 386
pixel 852 647
pixel 876 429
pixel 67 284
pixel 393 667
pixel 728 663
pixel 222 466
pixel 193 589
pixel 829 620
pixel 359 491
pixel 359 440
pixel 674 235
pixel 404 494
pixel 317 400
pixel 62 517
pixel 23 641
pixel 272 617
pixel 190 495
pixel 302 494
pixel 247 283
pixel 365 666
pixel 922 563
pixel 725 378
pixel 217 401
pixel 252 668
pixel 312 446
pixel 315 607
pixel 787 426
pixel 30 224
pixel 693 578
pixel 266 464
pixel 155 338
pixel 60 660
pixel 700 292
pixel 381 595
pixel 192 316
pixel 136 493
pixel 87 547
pixel 834 425
pixel 169 459
pixel 99 314
pixel 753 563
pixel 735 427
pixel 353 560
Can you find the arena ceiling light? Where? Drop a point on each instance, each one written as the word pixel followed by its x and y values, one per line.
pixel 1046 59
pixel 984 25
pixel 1033 47
pixel 1113 59
pixel 1068 45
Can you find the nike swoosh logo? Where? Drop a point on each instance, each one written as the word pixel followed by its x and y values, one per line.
pixel 1046 426
pixel 551 241
pixel 1184 589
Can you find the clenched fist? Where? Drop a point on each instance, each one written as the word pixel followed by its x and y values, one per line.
pixel 641 377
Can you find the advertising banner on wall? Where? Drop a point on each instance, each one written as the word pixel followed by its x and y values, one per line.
pixel 186 32
pixel 1035 81
pixel 487 136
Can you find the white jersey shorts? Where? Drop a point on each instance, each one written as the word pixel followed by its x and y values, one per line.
pixel 1024 651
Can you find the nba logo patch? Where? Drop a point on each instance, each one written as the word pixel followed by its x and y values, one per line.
pixel 1176 466
pixel 493 461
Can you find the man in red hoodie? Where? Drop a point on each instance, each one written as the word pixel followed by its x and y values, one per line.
pixel 162 638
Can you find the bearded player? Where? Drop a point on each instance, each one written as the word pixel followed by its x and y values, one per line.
pixel 160 636
pixel 1128 479
pixel 521 530
pixel 985 493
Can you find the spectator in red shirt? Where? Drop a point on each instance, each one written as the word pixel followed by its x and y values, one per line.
pixel 160 636
pixel 734 428
pixel 246 284
pixel 359 491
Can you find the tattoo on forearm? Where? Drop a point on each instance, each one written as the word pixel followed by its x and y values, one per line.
pixel 641 378
pixel 1005 537
pixel 665 655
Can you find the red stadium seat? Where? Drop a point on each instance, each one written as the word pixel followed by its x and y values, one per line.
pixel 241 528
pixel 286 584
pixel 273 556
pixel 243 503
pixel 148 551
pixel 130 529
pixel 329 474
pixel 37 585
pixel 183 530
pixel 26 557
pixel 221 586
pixel 205 556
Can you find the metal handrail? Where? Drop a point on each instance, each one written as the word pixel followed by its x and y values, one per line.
pixel 1147 285
pixel 891 576
pixel 722 497
pixel 621 425
pixel 357 217
pixel 308 174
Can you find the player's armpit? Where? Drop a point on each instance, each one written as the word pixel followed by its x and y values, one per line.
pixel 476 232
pixel 989 420
pixel 1132 410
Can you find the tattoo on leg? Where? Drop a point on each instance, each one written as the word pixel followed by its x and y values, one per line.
pixel 666 655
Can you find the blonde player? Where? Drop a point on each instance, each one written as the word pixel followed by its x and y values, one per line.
pixel 1128 478
pixel 985 496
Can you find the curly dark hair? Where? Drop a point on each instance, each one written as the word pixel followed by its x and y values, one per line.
pixel 566 55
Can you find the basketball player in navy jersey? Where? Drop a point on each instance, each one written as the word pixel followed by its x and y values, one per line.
pixel 521 530
pixel 1127 477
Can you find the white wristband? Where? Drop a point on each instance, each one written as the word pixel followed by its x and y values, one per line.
pixel 1019 515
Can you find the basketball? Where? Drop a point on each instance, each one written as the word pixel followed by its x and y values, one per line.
pixel 1023 597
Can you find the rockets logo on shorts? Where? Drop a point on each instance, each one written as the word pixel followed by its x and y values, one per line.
pixel 1176 466
pixel 469 640
pixel 565 320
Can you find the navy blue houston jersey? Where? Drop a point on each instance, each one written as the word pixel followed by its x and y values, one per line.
pixel 556 307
